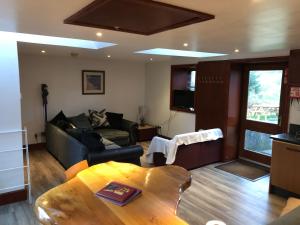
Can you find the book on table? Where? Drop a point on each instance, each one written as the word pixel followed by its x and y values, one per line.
pixel 119 194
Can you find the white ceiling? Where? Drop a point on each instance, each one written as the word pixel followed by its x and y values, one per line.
pixel 257 27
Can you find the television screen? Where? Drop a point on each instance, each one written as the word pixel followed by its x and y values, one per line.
pixel 183 99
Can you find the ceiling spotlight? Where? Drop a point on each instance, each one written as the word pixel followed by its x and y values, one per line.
pixel 236 50
pixel 99 34
pixel 108 56
pixel 185 44
pixel 43 51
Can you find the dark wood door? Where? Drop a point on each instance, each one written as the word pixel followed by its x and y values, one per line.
pixel 211 96
pixel 217 100
pixel 262 110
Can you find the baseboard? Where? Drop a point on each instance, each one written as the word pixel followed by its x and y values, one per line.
pixel 258 163
pixel 281 192
pixel 14 196
pixel 37 146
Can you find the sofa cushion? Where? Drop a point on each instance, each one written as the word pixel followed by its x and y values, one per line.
pixel 109 145
pixel 119 137
pixel 107 142
pixel 98 118
pixel 81 121
pixel 92 140
pixel 115 120
pixel 76 132
pixel 61 121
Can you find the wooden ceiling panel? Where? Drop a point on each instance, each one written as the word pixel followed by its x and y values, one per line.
pixel 144 17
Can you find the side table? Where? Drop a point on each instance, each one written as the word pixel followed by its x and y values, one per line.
pixel 146 132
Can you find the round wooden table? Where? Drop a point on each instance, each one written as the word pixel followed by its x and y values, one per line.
pixel 75 202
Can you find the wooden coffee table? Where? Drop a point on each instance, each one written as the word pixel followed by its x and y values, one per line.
pixel 74 202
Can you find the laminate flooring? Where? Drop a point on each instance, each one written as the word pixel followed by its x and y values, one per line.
pixel 214 194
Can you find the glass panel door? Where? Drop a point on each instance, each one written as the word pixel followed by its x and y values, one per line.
pixel 261 114
pixel 264 91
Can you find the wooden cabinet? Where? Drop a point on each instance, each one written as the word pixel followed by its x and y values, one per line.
pixel 182 83
pixel 146 133
pixel 285 167
pixel 217 102
pixel 294 68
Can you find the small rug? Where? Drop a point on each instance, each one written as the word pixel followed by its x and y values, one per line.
pixel 244 169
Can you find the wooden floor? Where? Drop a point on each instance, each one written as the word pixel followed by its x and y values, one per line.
pixel 214 194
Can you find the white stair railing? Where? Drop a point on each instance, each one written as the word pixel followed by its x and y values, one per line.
pixel 26 164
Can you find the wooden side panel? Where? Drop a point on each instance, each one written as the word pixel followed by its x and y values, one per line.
pixel 146 134
pixel 210 98
pixel 294 67
pixel 180 77
pixel 218 102
pixel 231 143
pixel 15 196
pixel 194 155
pixel 136 16
pixel 285 166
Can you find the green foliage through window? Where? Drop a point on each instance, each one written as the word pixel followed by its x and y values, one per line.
pixel 264 91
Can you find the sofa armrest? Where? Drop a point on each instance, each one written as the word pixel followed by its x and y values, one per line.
pixel 66 149
pixel 131 127
pixel 129 154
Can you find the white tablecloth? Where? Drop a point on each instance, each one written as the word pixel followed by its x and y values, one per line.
pixel 169 147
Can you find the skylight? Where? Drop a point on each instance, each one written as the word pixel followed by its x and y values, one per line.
pixel 174 52
pixel 50 40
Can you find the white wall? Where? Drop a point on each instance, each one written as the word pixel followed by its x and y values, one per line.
pixel 157 101
pixel 10 118
pixel 128 85
pixel 124 88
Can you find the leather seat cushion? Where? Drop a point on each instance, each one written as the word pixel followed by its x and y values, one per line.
pixel 119 137
pixel 109 144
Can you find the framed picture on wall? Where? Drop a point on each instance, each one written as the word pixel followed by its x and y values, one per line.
pixel 93 82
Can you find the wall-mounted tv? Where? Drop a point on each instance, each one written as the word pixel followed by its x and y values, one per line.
pixel 183 99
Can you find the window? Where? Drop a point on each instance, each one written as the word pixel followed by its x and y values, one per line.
pixel 264 91
pixel 183 86
pixel 262 110
pixel 192 81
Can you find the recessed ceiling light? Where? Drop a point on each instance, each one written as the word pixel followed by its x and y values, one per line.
pixel 43 51
pixel 236 50
pixel 174 52
pixel 215 222
pixel 99 34
pixel 108 56
pixel 185 44
pixel 50 40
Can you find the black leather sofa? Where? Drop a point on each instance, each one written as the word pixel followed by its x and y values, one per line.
pixel 68 150
pixel 124 136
